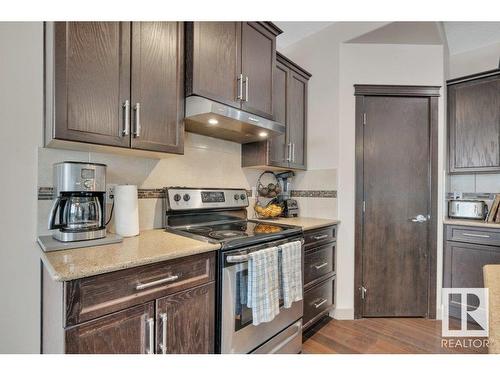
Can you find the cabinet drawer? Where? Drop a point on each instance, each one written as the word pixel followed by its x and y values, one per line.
pixel 96 296
pixel 318 236
pixel 319 261
pixel 318 301
pixel 483 236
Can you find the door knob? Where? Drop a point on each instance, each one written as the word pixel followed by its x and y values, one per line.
pixel 419 219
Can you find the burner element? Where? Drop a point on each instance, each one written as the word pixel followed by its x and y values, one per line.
pixel 224 234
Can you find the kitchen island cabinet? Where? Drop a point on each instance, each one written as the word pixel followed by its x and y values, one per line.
pixel 165 307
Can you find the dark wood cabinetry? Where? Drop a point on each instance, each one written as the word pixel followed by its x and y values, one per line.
pixel 167 307
pixel 474 123
pixel 319 274
pixel 91 81
pixel 186 321
pixel 466 251
pixel 125 332
pixel 290 108
pixel 232 63
pixel 116 84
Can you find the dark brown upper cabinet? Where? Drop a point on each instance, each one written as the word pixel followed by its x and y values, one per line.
pixel 290 108
pixel 474 123
pixel 232 63
pixel 116 84
pixel 157 86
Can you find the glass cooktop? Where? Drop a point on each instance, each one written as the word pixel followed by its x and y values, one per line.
pixel 240 233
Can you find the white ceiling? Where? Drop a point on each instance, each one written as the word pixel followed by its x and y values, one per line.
pixel 466 36
pixel 461 36
pixel 295 31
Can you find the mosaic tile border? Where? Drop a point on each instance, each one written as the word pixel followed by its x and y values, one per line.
pixel 46 193
pixel 314 193
pixel 490 196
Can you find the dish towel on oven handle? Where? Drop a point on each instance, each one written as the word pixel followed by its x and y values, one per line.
pixel 291 272
pixel 263 285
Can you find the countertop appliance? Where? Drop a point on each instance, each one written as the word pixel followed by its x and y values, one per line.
pixel 220 216
pixel 290 208
pixel 467 209
pixel 78 211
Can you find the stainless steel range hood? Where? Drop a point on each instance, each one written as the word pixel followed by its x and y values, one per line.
pixel 204 116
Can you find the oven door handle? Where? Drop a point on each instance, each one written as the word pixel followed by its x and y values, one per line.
pixel 242 258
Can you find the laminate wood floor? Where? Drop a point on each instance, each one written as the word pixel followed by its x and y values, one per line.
pixel 379 336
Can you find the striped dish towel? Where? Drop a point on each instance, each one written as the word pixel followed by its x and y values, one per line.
pixel 291 272
pixel 263 285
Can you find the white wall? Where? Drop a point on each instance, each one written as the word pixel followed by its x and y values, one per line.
pixel 377 64
pixel 474 61
pixel 21 108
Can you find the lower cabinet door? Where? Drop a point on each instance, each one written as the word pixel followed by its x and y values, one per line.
pixel 129 331
pixel 185 321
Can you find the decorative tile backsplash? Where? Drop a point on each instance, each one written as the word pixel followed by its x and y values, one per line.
pixel 46 193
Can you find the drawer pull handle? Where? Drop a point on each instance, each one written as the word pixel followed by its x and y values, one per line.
pixel 322 237
pixel 320 265
pixel 141 286
pixel 319 304
pixel 475 235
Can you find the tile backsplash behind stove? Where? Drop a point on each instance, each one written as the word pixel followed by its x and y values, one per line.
pixel 207 162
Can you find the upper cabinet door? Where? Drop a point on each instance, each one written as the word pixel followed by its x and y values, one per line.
pixel 129 331
pixel 92 81
pixel 297 120
pixel 258 61
pixel 278 145
pixel 474 125
pixel 213 61
pixel 157 105
pixel 186 321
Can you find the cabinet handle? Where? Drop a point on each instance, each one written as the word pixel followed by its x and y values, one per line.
pixel 475 235
pixel 151 330
pixel 318 267
pixel 321 237
pixel 247 80
pixel 137 131
pixel 293 152
pixel 141 286
pixel 163 345
pixel 126 126
pixel 289 152
pixel 240 87
pixel 253 119
pixel 319 304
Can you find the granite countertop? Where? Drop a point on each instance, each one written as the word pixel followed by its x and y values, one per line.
pixel 492 281
pixel 470 223
pixel 306 223
pixel 149 247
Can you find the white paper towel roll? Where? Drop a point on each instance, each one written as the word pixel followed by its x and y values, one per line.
pixel 126 210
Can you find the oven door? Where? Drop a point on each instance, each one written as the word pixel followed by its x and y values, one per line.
pixel 238 334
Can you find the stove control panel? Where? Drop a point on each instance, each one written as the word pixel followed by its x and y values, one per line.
pixel 182 198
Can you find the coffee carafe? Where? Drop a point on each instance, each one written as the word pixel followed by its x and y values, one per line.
pixel 78 211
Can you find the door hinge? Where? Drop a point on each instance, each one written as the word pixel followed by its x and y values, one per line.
pixel 364 206
pixel 364 118
pixel 363 291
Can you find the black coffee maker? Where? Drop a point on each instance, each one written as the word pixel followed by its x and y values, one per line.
pixel 78 211
pixel 290 206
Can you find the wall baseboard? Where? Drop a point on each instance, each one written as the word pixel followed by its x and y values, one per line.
pixel 343 314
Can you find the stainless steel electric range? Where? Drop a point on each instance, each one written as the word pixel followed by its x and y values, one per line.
pixel 220 216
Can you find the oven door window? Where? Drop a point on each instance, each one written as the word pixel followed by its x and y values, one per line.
pixel 242 313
